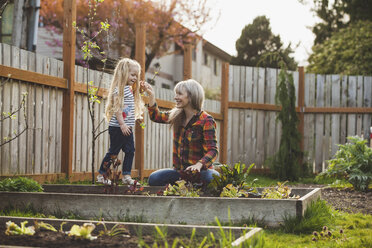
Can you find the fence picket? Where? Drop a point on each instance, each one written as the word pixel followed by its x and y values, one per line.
pixel 352 102
pixel 336 101
pixel 319 124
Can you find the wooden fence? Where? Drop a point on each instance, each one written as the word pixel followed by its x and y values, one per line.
pixel 334 107
pixel 38 151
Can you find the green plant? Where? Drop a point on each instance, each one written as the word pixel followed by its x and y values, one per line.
pixel 83 232
pixel 47 226
pixel 181 188
pixel 285 164
pixel 281 191
pixel 317 215
pixel 353 162
pixel 117 229
pixel 20 184
pixel 14 229
pixel 236 175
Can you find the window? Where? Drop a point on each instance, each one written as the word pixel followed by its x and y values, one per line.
pixel 205 59
pixel 193 54
pixel 6 24
pixel 165 86
pixel 215 66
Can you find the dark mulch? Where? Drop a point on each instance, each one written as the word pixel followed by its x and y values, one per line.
pixel 58 239
pixel 345 199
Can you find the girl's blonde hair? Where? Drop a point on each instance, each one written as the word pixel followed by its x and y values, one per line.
pixel 119 81
pixel 195 92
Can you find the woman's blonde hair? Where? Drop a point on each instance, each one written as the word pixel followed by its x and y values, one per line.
pixel 119 81
pixel 195 93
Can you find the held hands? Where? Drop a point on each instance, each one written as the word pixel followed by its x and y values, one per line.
pixel 146 87
pixel 195 167
pixel 125 129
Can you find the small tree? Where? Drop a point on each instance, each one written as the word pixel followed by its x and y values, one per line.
pixel 286 163
pixel 90 50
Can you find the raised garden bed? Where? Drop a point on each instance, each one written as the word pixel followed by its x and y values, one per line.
pixel 135 232
pixel 163 209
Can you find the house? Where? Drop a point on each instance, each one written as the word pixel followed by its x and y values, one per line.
pixel 207 61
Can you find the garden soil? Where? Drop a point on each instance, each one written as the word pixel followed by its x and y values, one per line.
pixel 346 200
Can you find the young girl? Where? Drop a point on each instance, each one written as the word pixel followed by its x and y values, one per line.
pixel 194 133
pixel 123 107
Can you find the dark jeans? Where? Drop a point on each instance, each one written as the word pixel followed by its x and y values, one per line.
pixel 118 141
pixel 163 177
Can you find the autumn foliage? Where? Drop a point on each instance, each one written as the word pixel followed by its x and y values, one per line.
pixel 166 22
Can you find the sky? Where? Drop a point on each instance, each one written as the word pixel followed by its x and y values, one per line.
pixel 288 18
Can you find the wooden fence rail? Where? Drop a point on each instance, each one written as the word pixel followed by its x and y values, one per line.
pixel 333 108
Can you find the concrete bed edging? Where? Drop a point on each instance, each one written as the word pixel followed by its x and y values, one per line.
pixel 165 209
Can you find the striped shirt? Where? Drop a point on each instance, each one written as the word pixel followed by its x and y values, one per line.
pixel 196 142
pixel 128 110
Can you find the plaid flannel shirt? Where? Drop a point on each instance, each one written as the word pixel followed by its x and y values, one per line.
pixel 194 143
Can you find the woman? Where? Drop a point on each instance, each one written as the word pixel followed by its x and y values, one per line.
pixel 194 133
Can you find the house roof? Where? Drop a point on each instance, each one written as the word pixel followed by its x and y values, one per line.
pixel 217 51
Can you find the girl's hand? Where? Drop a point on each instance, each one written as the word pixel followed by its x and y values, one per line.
pixel 195 167
pixel 125 129
pixel 150 92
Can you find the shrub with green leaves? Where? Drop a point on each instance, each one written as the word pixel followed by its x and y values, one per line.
pixel 236 175
pixel 20 184
pixel 353 162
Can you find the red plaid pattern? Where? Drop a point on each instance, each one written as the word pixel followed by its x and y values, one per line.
pixel 194 143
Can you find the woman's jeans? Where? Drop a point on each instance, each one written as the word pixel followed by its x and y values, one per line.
pixel 163 177
pixel 119 141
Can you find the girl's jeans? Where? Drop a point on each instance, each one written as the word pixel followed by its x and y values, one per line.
pixel 118 141
pixel 163 177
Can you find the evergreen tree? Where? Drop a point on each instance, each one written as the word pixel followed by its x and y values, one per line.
pixel 257 42
pixel 286 163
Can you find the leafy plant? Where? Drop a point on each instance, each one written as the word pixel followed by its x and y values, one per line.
pixel 117 229
pixel 20 184
pixel 47 226
pixel 353 162
pixel 236 191
pixel 236 175
pixel 279 192
pixel 112 174
pixel 83 231
pixel 181 188
pixel 14 229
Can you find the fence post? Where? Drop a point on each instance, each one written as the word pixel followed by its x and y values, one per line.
pixel 224 112
pixel 139 132
pixel 187 61
pixel 301 105
pixel 69 9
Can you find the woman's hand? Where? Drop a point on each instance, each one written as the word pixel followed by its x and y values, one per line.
pixel 125 129
pixel 150 92
pixel 195 167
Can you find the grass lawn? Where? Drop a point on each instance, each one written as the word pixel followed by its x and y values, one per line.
pixel 356 228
